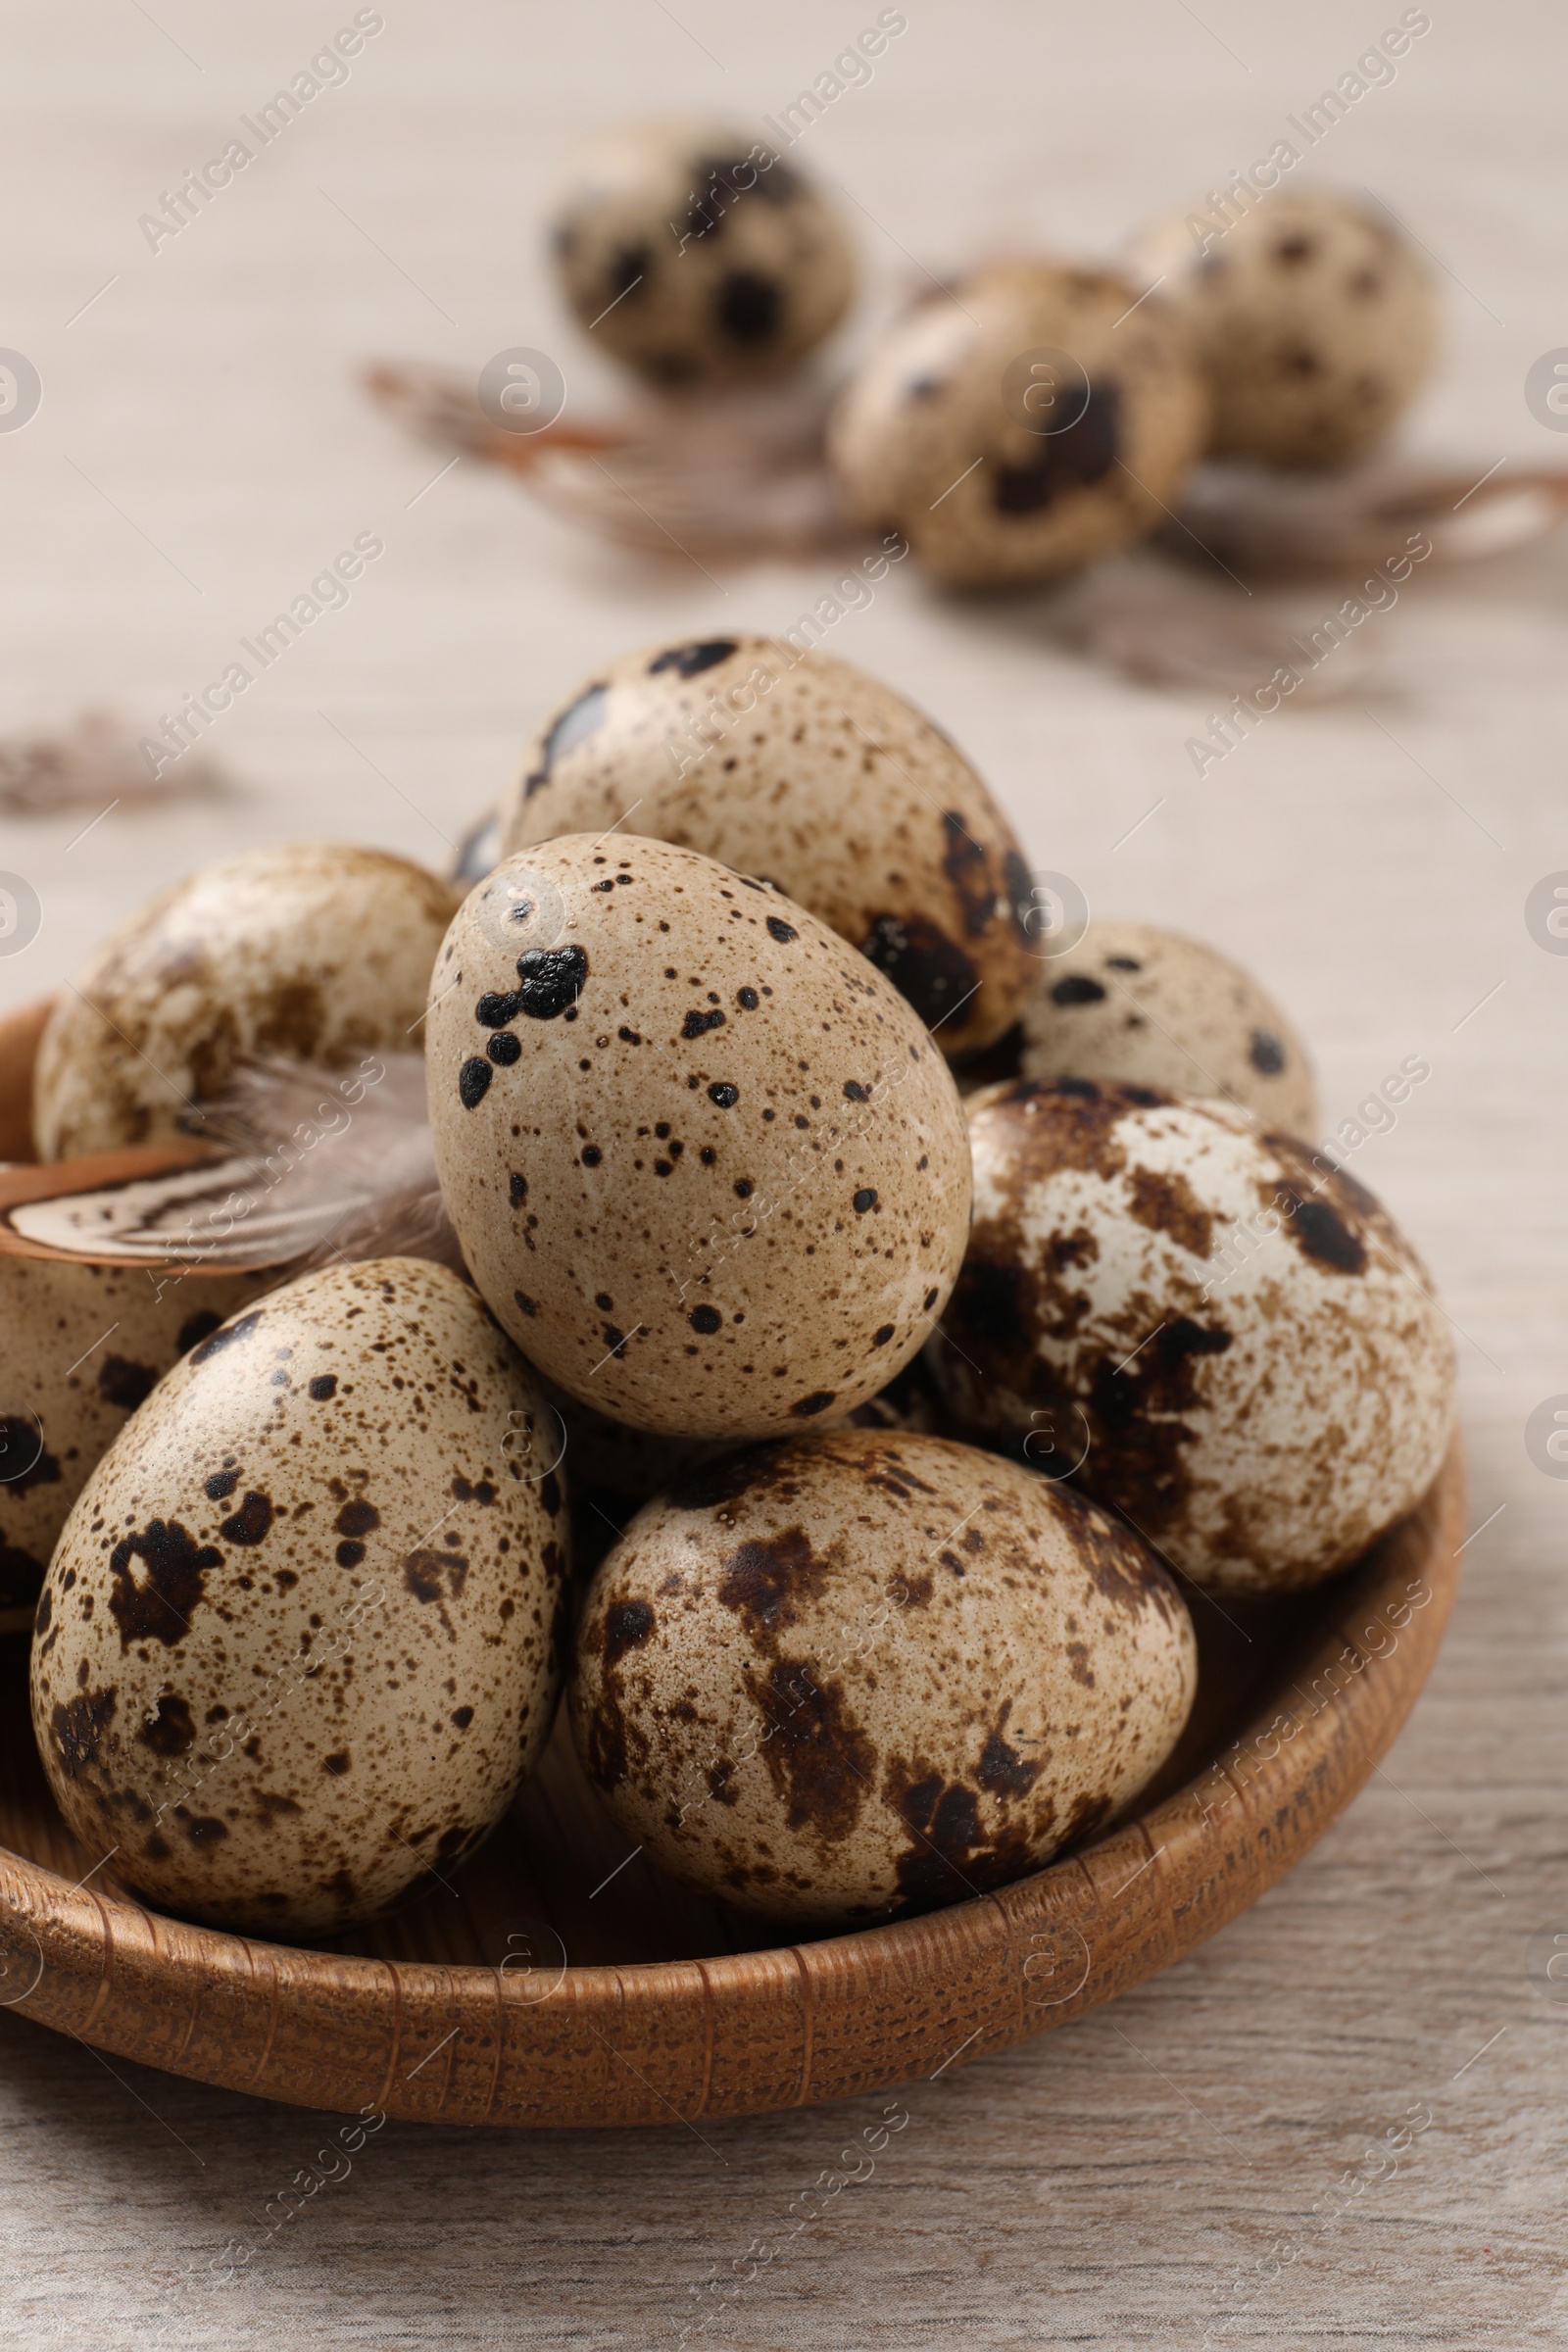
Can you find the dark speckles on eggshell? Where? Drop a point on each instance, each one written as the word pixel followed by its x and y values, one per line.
pixel 826 783
pixel 690 661
pixel 1222 1340
pixel 232 1335
pixel 474 1082
pixel 774 1070
pixel 289 1581
pixel 1077 987
pixel 1074 459
pixel 250 1523
pixel 749 307
pixel 812 1729
pixel 571 726
pixel 703 261
pixel 159 1577
pixel 922 963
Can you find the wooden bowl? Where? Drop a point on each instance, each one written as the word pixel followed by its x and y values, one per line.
pixel 557 1981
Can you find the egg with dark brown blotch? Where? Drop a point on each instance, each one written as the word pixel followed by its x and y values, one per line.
pixel 1137 1002
pixel 300 1639
pixel 311 952
pixel 1031 418
pixel 1313 315
pixel 705 1163
pixel 791 765
pixel 865 1673
pixel 1218 1332
pixel 694 253
pixel 83 1345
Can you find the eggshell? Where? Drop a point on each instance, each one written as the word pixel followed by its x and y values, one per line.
pixel 697 255
pixel 311 951
pixel 862 1673
pixel 943 433
pixel 805 772
pixel 297 1646
pixel 1234 1339
pixel 1135 1003
pixel 1313 317
pixel 703 1161
pixel 82 1346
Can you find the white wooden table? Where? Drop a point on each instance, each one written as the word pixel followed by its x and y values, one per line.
pixel 1203 2157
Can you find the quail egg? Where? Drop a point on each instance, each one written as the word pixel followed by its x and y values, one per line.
pixel 697 255
pixel 1032 419
pixel 83 1345
pixel 1133 1001
pixel 1313 317
pixel 314 951
pixel 787 764
pixel 1225 1337
pixel 706 1165
pixel 864 1673
pixel 298 1642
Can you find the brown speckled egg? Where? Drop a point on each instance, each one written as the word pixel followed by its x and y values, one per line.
pixel 703 1161
pixel 806 772
pixel 1237 1334
pixel 298 1644
pixel 311 951
pixel 949 430
pixel 1313 317
pixel 1133 1001
pixel 695 254
pixel 864 1673
pixel 82 1346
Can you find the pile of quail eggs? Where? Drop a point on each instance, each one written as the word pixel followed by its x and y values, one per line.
pixel 898 1429
pixel 1034 415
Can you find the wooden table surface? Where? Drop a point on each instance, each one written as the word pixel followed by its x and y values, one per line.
pixel 1344 2121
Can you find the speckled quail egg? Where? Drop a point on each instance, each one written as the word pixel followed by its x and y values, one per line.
pixel 1032 419
pixel 1133 1001
pixel 863 1673
pixel 298 1644
pixel 705 1163
pixel 83 1345
pixel 1227 1339
pixel 314 951
pixel 805 772
pixel 697 255
pixel 1313 317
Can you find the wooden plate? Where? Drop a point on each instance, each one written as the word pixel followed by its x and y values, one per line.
pixel 555 1980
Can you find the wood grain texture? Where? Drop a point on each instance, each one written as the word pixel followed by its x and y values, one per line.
pixel 1195 2164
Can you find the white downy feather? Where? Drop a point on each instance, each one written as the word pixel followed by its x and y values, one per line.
pixel 316 1167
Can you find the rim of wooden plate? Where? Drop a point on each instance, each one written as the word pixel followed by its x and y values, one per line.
pixel 742 2033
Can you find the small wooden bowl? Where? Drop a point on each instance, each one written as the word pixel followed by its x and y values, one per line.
pixel 557 1981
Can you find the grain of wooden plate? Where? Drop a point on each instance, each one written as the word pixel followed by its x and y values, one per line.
pixel 556 1980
